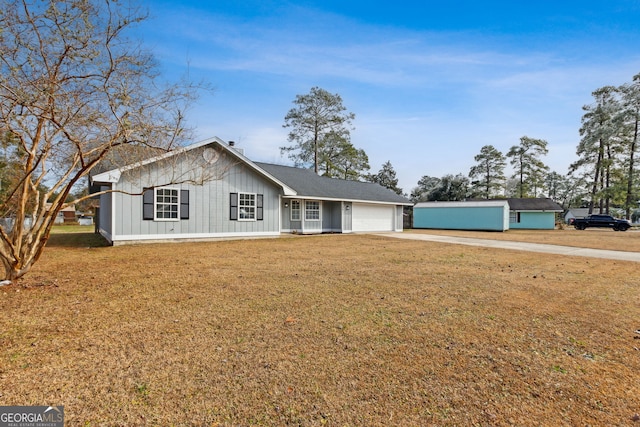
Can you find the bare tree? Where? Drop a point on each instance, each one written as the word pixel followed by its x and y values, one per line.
pixel 73 91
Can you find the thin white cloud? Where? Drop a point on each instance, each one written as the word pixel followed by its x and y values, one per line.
pixel 426 101
pixel 386 56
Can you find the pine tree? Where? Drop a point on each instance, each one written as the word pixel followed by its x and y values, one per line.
pixel 488 175
pixel 386 177
pixel 319 128
pixel 525 158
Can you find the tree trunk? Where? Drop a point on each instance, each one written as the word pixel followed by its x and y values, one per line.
pixel 632 150
pixel 596 178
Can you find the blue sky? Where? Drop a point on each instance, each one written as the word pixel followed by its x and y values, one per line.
pixel 430 82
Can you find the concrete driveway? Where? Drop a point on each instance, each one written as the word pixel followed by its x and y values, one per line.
pixel 520 246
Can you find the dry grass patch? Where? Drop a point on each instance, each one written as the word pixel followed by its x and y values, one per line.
pixel 330 330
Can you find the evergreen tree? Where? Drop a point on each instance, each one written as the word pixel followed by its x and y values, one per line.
pixel 386 177
pixel 629 118
pixel 319 129
pixel 451 188
pixel 426 185
pixel 564 190
pixel 525 158
pixel 488 175
pixel 340 159
pixel 448 188
pixel 596 149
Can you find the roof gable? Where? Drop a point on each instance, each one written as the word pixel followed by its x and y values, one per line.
pixel 578 212
pixel 113 176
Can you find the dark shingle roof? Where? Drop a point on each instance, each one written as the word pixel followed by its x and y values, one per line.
pixel 534 205
pixel 307 184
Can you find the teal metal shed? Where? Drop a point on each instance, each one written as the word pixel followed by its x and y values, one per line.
pixel 490 215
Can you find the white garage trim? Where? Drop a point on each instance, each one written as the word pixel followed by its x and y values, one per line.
pixel 371 217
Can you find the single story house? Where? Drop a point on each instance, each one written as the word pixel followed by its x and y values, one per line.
pixel 533 213
pixel 66 215
pixel 574 213
pixel 210 190
pixel 487 215
pixel 85 220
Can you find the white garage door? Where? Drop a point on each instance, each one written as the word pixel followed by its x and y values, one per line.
pixel 373 217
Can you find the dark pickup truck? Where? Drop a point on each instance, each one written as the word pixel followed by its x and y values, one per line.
pixel 601 221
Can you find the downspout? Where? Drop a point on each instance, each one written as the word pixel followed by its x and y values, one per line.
pixel 113 216
pixel 343 216
pixel 280 213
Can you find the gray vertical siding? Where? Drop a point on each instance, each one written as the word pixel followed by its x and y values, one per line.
pixel 209 203
pixel 332 216
pixel 105 213
pixel 347 218
pixel 329 218
pixel 399 218
pixel 287 224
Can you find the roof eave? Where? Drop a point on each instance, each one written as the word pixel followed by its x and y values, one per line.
pixel 109 177
pixel 338 199
pixel 537 210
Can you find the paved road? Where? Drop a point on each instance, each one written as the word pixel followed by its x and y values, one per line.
pixel 520 246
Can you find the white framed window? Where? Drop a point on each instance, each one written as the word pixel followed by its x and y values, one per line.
pixel 246 207
pixel 514 217
pixel 295 210
pixel 167 204
pixel 312 210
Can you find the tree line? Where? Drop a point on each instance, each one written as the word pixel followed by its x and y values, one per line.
pixel 604 178
pixel 320 132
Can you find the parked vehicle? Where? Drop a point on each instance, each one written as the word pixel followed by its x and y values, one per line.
pixel 606 221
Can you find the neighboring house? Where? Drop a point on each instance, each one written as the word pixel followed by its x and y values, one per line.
pixel 211 190
pixel 66 215
pixel 85 220
pixel 533 213
pixel 487 215
pixel 574 213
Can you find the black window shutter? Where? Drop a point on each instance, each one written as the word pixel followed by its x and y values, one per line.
pixel 233 203
pixel 147 203
pixel 184 204
pixel 259 209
